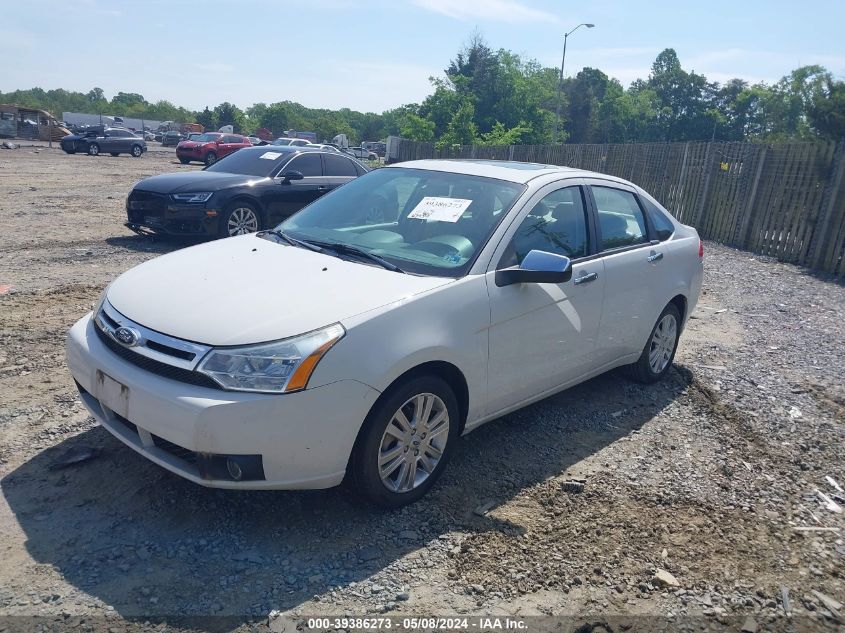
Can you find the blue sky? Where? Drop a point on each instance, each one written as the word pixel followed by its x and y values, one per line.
pixel 376 54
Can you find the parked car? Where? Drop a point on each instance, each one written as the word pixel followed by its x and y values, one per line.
pixel 297 142
pixel 302 356
pixel 375 146
pixel 171 139
pixel 145 134
pixel 253 189
pixel 360 152
pixel 324 146
pixel 208 148
pixel 115 141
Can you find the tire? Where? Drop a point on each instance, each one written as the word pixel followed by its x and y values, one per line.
pixel 239 218
pixel 389 485
pixel 210 158
pixel 659 353
pixel 115 153
pixel 184 161
pixel 93 149
pixel 136 151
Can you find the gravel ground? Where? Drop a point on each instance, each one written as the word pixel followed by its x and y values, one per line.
pixel 699 497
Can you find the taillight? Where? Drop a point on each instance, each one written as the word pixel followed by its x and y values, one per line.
pixel 700 249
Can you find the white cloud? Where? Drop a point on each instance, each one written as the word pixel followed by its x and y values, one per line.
pixel 492 10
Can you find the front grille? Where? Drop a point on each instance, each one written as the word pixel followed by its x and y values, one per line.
pixel 143 205
pixel 156 367
pixel 175 450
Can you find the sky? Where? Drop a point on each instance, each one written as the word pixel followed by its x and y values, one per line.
pixel 374 55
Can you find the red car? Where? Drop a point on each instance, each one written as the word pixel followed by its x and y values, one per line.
pixel 208 147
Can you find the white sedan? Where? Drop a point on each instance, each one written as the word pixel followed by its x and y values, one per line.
pixel 367 332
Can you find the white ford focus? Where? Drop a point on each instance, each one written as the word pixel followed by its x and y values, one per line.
pixel 367 332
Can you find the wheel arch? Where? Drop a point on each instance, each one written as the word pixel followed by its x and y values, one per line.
pixel 245 197
pixel 680 302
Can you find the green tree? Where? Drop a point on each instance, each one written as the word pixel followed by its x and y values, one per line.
pixel 826 112
pixel 416 128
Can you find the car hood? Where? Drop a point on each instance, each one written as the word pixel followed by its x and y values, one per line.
pixel 194 181
pixel 246 289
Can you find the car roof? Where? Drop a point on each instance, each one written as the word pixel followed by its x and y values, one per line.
pixel 513 171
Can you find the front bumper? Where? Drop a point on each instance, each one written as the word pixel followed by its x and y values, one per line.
pixel 303 439
pixel 173 219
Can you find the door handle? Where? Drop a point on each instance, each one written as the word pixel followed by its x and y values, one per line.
pixel 655 257
pixel 586 277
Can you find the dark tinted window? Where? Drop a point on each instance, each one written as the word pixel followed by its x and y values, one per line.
pixel 339 166
pixel 120 133
pixel 308 164
pixel 663 226
pixel 557 224
pixel 360 170
pixel 621 221
pixel 260 162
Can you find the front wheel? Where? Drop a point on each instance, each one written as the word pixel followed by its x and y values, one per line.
pixel 93 149
pixel 659 351
pixel 239 219
pixel 210 158
pixel 406 442
pixel 136 151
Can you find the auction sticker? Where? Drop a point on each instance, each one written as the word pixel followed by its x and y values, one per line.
pixel 270 155
pixel 439 209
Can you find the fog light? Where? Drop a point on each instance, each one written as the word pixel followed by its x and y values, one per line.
pixel 234 469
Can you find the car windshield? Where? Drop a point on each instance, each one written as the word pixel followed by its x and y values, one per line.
pixel 249 162
pixel 425 222
pixel 205 138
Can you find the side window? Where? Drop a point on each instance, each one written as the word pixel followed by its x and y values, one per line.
pixel 663 226
pixel 308 164
pixel 621 220
pixel 230 139
pixel 339 166
pixel 557 224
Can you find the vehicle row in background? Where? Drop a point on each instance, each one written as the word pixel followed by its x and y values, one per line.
pixel 209 147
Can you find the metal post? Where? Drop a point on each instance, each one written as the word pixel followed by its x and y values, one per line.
pixel 560 82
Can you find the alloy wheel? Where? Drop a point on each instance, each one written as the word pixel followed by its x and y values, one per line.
pixel 242 220
pixel 662 343
pixel 413 442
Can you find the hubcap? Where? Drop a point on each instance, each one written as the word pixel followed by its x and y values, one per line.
pixel 662 343
pixel 413 442
pixel 242 220
pixel 210 159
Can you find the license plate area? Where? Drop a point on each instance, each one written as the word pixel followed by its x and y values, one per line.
pixel 112 394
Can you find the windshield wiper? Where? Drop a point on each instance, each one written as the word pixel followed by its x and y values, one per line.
pixel 295 242
pixel 348 249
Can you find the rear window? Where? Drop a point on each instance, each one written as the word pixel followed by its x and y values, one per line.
pixel 663 226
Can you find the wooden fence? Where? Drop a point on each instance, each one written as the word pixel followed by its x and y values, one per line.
pixel 785 200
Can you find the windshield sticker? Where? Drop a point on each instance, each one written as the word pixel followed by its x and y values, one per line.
pixel 439 209
pixel 270 155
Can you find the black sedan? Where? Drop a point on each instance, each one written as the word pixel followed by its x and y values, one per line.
pixel 253 189
pixel 99 141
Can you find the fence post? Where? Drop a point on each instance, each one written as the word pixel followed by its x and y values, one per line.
pixel 741 237
pixel 708 159
pixel 820 235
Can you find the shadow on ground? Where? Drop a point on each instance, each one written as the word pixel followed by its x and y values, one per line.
pixel 151 544
pixel 152 243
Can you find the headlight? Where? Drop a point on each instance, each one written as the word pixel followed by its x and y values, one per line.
pixel 201 196
pixel 279 367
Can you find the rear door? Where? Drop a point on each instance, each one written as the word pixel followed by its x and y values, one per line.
pixel 286 198
pixel 338 170
pixel 632 279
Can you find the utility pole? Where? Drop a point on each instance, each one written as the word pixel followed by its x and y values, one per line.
pixel 560 78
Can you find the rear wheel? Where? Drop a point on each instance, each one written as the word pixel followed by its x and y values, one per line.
pixel 240 218
pixel 406 442
pixel 659 351
pixel 93 149
pixel 210 158
pixel 136 151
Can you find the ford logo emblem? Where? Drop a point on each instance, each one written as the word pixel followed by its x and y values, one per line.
pixel 127 336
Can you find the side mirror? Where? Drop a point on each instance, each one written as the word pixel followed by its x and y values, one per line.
pixel 537 267
pixel 291 175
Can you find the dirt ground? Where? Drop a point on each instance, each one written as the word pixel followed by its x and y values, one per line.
pixel 699 498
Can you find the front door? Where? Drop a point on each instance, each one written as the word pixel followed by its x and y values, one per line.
pixel 286 198
pixel 542 336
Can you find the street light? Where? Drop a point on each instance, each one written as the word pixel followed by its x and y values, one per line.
pixel 562 62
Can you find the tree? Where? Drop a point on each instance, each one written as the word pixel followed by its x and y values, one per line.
pixel 461 130
pixel 417 128
pixel 229 114
pixel 826 111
